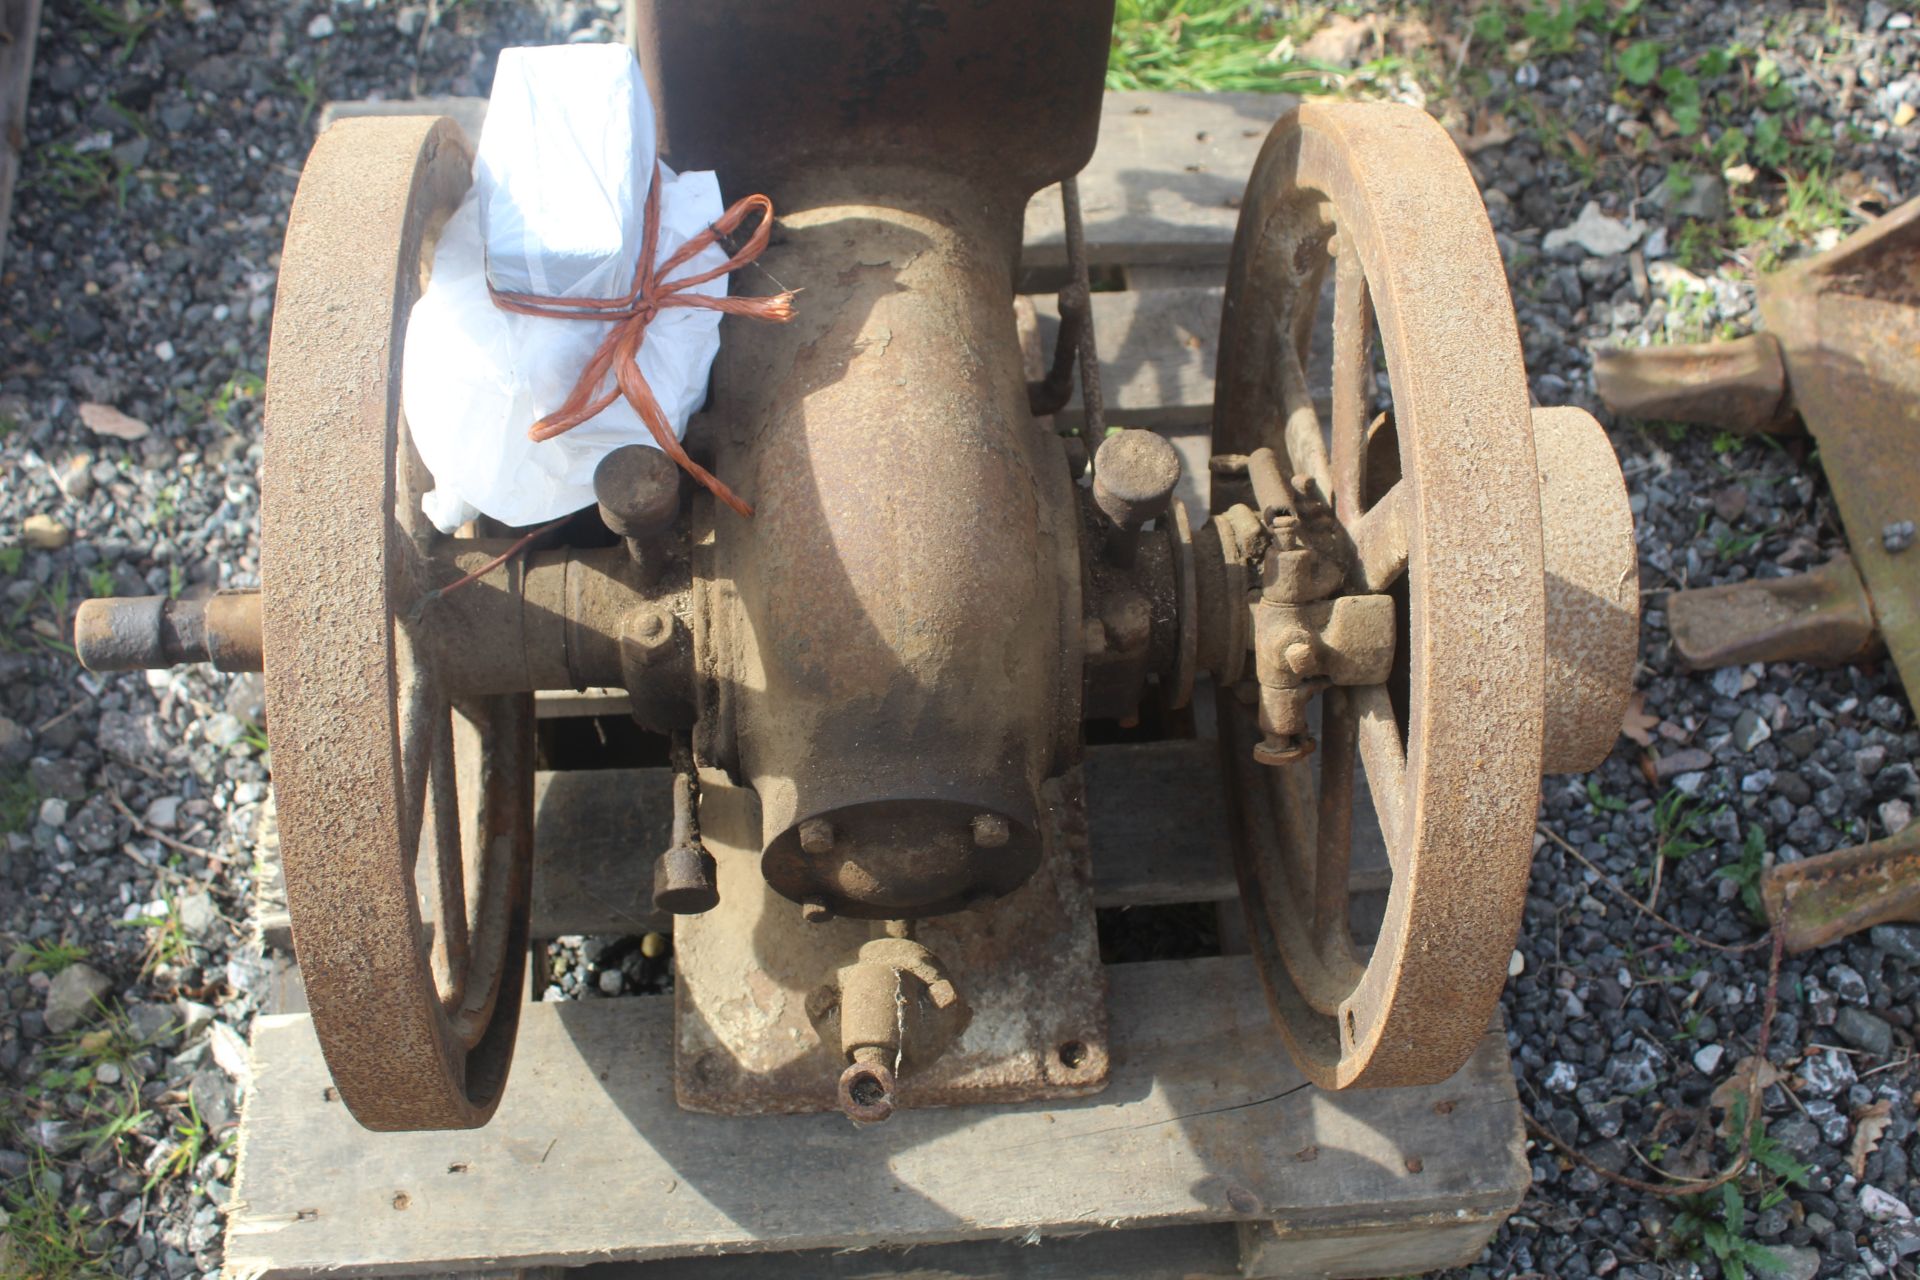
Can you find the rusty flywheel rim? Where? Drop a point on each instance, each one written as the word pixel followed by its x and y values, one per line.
pixel 392 796
pixel 1449 521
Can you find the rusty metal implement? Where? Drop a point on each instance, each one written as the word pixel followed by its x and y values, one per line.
pixel 1842 346
pixel 874 693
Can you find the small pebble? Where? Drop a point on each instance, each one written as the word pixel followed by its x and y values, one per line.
pixel 1897 537
pixel 44 533
pixel 321 27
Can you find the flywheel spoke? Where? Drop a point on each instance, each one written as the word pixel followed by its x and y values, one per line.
pixel 1352 381
pixel 1377 735
pixel 1334 857
pixel 1381 538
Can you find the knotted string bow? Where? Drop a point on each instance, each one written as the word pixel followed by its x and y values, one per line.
pixel 653 292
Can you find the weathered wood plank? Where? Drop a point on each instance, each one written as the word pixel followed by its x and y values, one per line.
pixel 1165 181
pixel 1205 1121
pixel 1158 832
pixel 1157 828
pixel 1166 1253
pixel 19 26
pixel 1157 352
pixel 595 834
pixel 1163 187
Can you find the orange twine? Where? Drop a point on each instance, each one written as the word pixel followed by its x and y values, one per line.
pixel 652 293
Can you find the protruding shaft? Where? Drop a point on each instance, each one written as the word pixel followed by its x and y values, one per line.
pixel 141 632
pixel 683 877
pixel 638 488
pixel 1134 476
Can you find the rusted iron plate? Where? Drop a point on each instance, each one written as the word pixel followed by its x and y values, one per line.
pixel 1821 900
pixel 1848 323
pixel 1823 616
pixel 1739 385
pixel 395 806
pixel 1459 525
pixel 1593 588
pixel 1005 89
pixel 1028 965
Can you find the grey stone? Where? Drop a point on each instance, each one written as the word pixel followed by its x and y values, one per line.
pixel 1685 760
pixel 16 744
pixel 163 814
pixel 1636 1070
pixel 1899 940
pixel 1826 1074
pixel 1750 730
pixel 53 812
pixel 71 996
pixel 612 982
pixel 223 730
pixel 1897 536
pixel 1561 1077
pixel 131 739
pixel 1864 1031
pixel 1793 1262
pixel 1869 759
pixel 1796 1134
pixel 1896 815
pixel 1847 984
pixel 1707 1058
pixel 62 778
pixel 152 1024
pixel 197 914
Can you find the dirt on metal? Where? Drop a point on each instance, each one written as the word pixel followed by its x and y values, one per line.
pixel 388 795
pixel 1818 901
pixel 1380 194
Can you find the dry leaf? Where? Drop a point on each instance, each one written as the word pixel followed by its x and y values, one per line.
pixel 1637 724
pixel 1734 1088
pixel 105 420
pixel 1664 123
pixel 1903 115
pixel 1339 40
pixel 1868 1124
pixel 1740 175
pixel 1490 129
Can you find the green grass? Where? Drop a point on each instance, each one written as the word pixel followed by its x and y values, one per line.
pixel 19 801
pixel 52 957
pixel 1677 822
pixel 1207 45
pixel 1715 1222
pixel 48 1238
pixel 1746 873
pixel 192 1142
pixel 78 178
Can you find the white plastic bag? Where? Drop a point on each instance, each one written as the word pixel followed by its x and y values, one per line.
pixel 557 208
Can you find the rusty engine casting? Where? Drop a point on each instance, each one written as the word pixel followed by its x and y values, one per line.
pixel 874 689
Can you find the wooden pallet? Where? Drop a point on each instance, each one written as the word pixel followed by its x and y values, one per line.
pixel 1206 1156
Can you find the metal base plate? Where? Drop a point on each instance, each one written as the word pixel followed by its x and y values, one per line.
pixel 1028 964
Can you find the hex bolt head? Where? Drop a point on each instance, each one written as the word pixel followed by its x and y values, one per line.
pixel 638 488
pixel 816 836
pixel 647 630
pixel 991 831
pixel 683 881
pixel 1134 475
pixel 816 911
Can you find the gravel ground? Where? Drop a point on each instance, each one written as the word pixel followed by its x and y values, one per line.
pixel 140 277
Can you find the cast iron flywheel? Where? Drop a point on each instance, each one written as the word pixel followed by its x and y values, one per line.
pixel 1502 534
pixel 406 810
